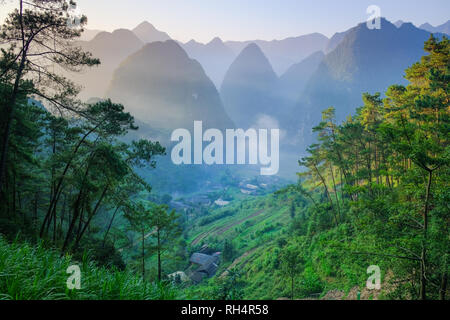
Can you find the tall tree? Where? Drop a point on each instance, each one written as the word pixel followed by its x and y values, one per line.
pixel 40 41
pixel 166 230
pixel 291 265
pixel 139 217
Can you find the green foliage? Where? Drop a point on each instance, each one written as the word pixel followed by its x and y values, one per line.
pixel 383 175
pixel 228 288
pixel 228 251
pixel 37 273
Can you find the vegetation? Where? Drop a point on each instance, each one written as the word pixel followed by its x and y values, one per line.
pixel 373 191
pixel 37 272
pixel 385 173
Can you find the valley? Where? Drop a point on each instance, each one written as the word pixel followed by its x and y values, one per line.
pixel 224 170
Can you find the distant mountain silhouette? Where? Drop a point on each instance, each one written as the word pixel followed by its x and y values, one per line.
pixel 89 34
pixel 294 80
pixel 443 28
pixel 250 88
pixel 161 86
pixel 365 61
pixel 284 53
pixel 147 33
pixel 215 57
pixel 335 40
pixel 398 23
pixel 111 49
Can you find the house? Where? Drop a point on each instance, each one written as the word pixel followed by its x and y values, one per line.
pixel 207 265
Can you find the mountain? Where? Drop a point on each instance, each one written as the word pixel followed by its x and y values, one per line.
pixel 160 85
pixel 294 80
pixel 89 34
pixel 284 53
pixel 215 57
pixel 147 33
pixel 365 61
pixel 249 90
pixel 443 28
pixel 111 49
pixel 335 40
pixel 398 23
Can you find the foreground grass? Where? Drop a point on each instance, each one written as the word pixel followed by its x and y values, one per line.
pixel 36 273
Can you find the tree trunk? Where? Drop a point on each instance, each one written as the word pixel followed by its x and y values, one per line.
pixel 327 193
pixel 97 206
pixel 58 189
pixel 10 109
pixel 443 288
pixel 423 259
pixel 292 288
pixel 109 225
pixel 159 255
pixel 143 256
pixel 76 212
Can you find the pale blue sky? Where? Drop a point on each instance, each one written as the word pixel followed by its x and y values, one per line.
pixel 250 19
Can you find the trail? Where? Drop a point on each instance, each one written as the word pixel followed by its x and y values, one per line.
pixel 202 236
pixel 226 228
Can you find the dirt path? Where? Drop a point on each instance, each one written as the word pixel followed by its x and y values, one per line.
pixel 226 228
pixel 221 230
pixel 202 236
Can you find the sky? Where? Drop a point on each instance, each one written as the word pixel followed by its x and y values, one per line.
pixel 203 20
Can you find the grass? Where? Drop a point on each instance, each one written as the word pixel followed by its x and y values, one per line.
pixel 30 272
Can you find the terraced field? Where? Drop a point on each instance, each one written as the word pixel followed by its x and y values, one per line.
pixel 249 225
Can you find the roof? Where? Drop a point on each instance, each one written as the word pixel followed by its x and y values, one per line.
pixel 200 258
pixel 208 265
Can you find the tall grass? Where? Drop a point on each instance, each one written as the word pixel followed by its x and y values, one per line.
pixel 36 273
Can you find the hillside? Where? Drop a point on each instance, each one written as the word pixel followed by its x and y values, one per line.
pixel 163 87
pixel 147 33
pixel 364 61
pixel 111 49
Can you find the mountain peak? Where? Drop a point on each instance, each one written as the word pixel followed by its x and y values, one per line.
pixel 192 41
pixel 216 41
pixel 162 86
pixel 110 39
pixel 148 33
pixel 443 28
pixel 165 50
pixel 252 47
pixel 252 59
pixel 399 23
pixel 426 25
pixel 145 24
pixel 252 51
pixel 122 31
pixel 248 87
